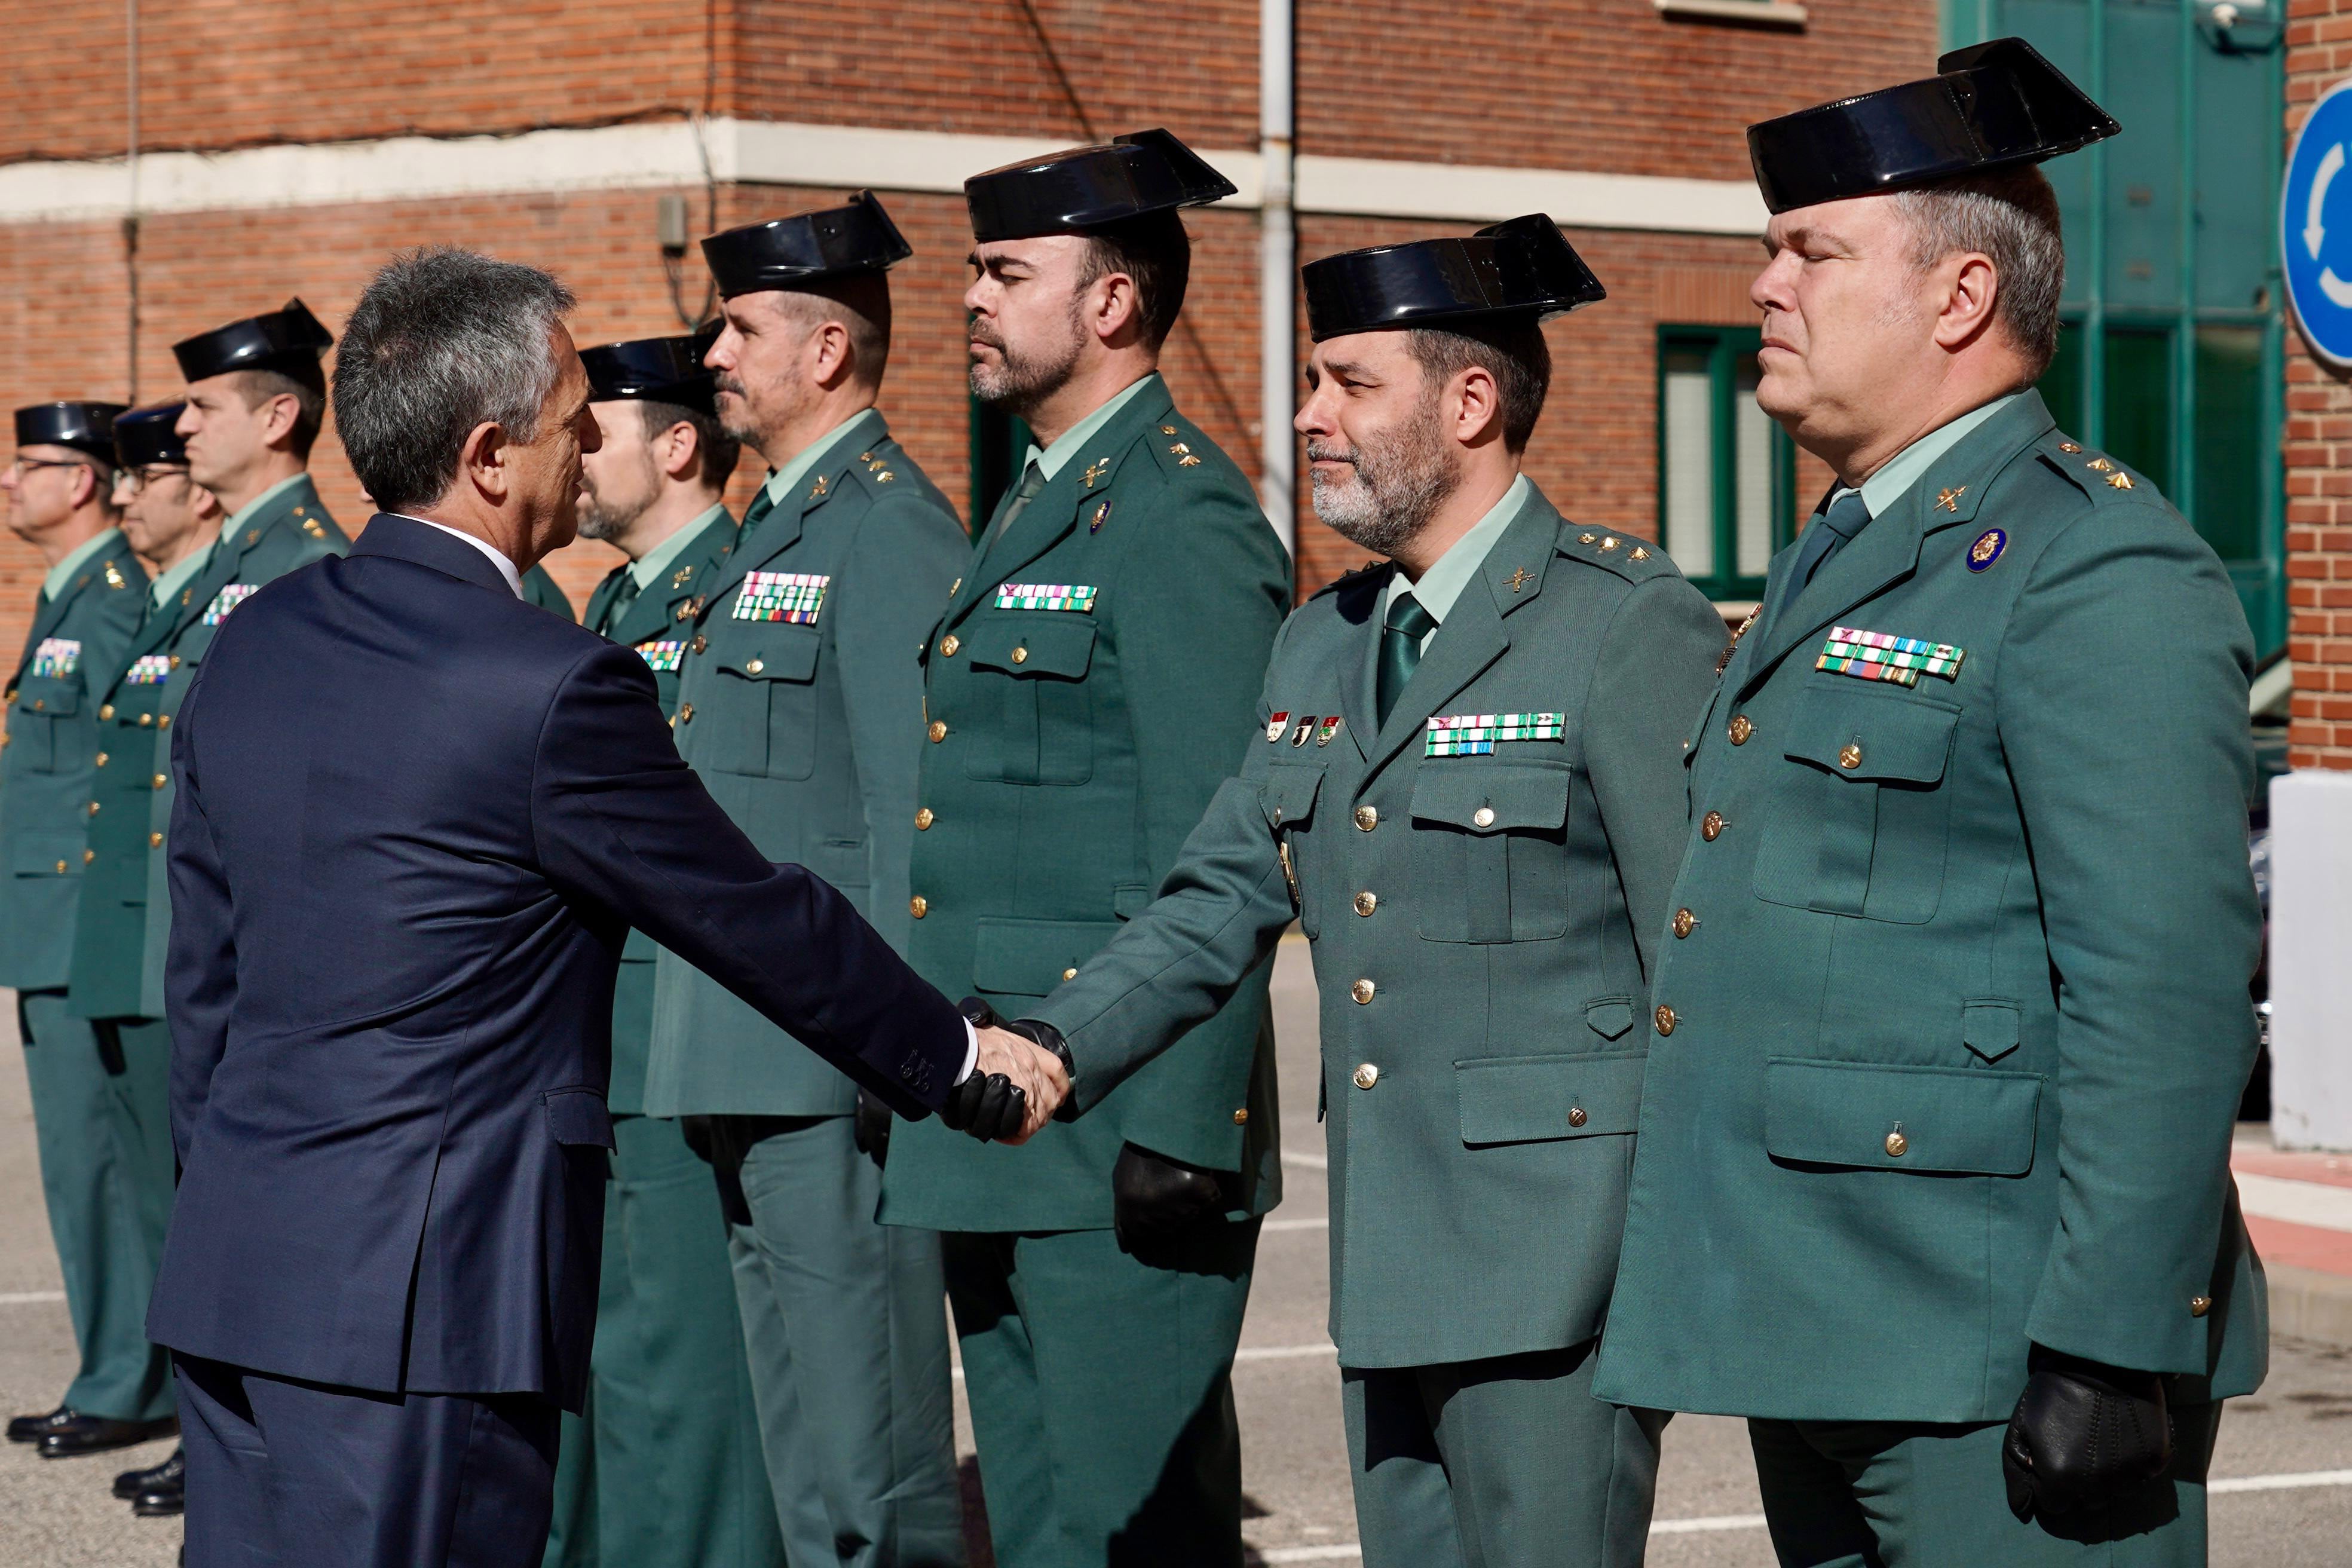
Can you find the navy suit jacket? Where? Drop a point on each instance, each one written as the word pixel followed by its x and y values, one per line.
pixel 416 818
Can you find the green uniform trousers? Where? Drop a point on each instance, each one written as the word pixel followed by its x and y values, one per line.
pixel 1505 1462
pixel 663 1467
pixel 102 1121
pixel 848 1347
pixel 1896 1494
pixel 1094 1458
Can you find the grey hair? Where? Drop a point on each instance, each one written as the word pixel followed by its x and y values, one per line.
pixel 442 340
pixel 2009 215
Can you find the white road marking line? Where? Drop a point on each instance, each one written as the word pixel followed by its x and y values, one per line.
pixel 1706 1524
pixel 1298 1224
pixel 2291 1481
pixel 1334 1553
pixel 1284 1352
pixel 1317 1162
pixel 30 1298
pixel 2297 1203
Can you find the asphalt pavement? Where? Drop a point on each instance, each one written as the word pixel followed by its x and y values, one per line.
pixel 2283 1496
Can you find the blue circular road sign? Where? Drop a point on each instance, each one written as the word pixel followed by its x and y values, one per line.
pixel 2316 226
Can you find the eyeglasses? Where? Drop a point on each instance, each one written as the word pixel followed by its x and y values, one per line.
pixel 139 478
pixel 21 463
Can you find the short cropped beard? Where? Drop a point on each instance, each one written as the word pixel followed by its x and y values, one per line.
pixel 1028 376
pixel 1397 486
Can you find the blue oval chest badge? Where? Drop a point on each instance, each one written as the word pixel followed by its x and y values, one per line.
pixel 1987 549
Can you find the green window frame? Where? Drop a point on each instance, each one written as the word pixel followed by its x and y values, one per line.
pixel 1726 473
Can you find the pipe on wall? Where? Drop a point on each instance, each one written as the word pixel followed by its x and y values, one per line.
pixel 1277 273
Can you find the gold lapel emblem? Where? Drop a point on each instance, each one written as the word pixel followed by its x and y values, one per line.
pixel 1102 512
pixel 1098 469
pixel 113 577
pixel 678 578
pixel 253 536
pixel 1950 500
pixel 816 492
pixel 1519 578
pixel 1725 656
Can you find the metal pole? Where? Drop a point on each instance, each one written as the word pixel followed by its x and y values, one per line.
pixel 1277 273
pixel 2095 292
pixel 131 203
pixel 2183 477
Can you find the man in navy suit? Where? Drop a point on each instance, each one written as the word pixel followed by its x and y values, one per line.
pixel 416 819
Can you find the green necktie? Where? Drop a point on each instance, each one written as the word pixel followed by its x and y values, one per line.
pixel 1033 480
pixel 623 598
pixel 1401 636
pixel 753 515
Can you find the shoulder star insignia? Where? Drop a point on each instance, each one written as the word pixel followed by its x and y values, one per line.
pixel 865 456
pixel 884 477
pixel 1640 553
pixel 2101 466
pixel 1179 449
pixel 2121 481
pixel 1095 470
pixel 1585 538
pixel 1950 500
pixel 2069 446
pixel 1519 578
pixel 1188 461
pixel 1609 542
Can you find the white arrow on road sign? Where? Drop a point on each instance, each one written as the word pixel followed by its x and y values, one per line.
pixel 2314 233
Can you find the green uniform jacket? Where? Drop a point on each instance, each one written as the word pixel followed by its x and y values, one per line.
pixel 799 705
pixel 1073 749
pixel 540 589
pixel 1481 925
pixel 1948 1060
pixel 650 625
pixel 76 643
pixel 119 946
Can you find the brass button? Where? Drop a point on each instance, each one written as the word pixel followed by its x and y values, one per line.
pixel 39 703
pixel 939 731
pixel 61 865
pixel 1363 992
pixel 1740 729
pixel 1069 974
pixel 1020 656
pixel 701 642
pixel 1575 1117
pixel 2199 1305
pixel 949 643
pixel 685 712
pixel 1366 902
pixel 1710 827
pixel 1897 1145
pixel 755 667
pixel 1665 1019
pixel 923 819
pixel 93 808
pixel 107 711
pixel 1365 1075
pixel 160 780
pixel 1850 755
pixel 918 906
pixel 1368 817
pixel 175 661
pixel 154 841
pixel 101 759
pixel 88 855
pixel 165 722
pixel 1685 922
pixel 1241 1118
pixel 1483 817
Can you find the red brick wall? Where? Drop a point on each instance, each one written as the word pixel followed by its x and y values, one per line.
pixel 2318 458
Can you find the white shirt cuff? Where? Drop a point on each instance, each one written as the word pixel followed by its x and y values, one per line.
pixel 971 1050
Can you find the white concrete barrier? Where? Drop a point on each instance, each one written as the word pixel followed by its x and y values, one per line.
pixel 2311 960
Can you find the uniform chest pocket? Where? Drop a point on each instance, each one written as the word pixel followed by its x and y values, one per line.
pixel 758 713
pixel 1029 684
pixel 1859 820
pixel 1490 849
pixel 45 727
pixel 1287 793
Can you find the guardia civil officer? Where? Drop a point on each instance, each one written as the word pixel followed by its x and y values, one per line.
pixel 1933 1179
pixel 541 588
pixel 662 1465
pixel 1085 689
pixel 800 706
pixel 1464 779
pixel 96 1182
pixel 256 400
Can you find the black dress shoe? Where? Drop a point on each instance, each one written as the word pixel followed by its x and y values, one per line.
pixel 161 1502
pixel 155 1477
pixel 33 1428
pixel 96 1434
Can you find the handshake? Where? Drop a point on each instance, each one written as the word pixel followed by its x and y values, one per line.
pixel 1020 1078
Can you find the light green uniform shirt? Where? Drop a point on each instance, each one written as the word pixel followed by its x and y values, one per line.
pixel 1056 458
pixel 781 482
pixel 263 500
pixel 63 571
pixel 1450 573
pixel 161 591
pixel 656 562
pixel 1886 487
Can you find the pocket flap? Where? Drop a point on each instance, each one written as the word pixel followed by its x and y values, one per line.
pixel 1860 735
pixel 771 652
pixel 1487 796
pixel 1287 793
pixel 1523 1100
pixel 1035 642
pixel 1030 958
pixel 46 855
pixel 577 1116
pixel 1988 1027
pixel 45 695
pixel 1610 1016
pixel 1950 1119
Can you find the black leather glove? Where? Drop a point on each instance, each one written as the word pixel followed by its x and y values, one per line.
pixel 2083 1436
pixel 695 1130
pixel 986 1105
pixel 1157 1199
pixel 869 1127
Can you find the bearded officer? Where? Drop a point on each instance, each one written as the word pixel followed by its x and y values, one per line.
pixel 662 1465
pixel 61 489
pixel 1933 1183
pixel 1467 785
pixel 1084 690
pixel 800 706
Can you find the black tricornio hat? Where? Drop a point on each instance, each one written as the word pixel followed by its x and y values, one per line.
pixel 807 247
pixel 1524 266
pixel 147 436
pixel 655 369
pixel 1089 187
pixel 291 342
pixel 1990 106
pixel 84 426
